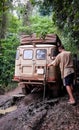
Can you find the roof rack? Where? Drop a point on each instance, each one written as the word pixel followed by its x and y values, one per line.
pixel 33 39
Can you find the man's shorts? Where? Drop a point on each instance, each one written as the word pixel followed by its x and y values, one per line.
pixel 68 80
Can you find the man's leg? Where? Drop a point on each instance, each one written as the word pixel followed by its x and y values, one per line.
pixel 68 83
pixel 71 97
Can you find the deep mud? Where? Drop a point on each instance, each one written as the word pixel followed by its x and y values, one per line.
pixel 34 113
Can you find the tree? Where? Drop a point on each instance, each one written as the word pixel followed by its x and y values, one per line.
pixel 42 25
pixel 65 16
pixel 8 41
pixel 4 6
pixel 7 59
pixel 39 25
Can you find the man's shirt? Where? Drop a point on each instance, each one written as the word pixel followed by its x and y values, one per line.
pixel 64 60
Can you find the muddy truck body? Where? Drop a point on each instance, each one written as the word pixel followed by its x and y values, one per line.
pixel 32 57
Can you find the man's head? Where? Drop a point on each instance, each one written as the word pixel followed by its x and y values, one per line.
pixel 61 48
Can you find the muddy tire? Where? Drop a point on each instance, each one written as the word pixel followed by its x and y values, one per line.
pixel 26 90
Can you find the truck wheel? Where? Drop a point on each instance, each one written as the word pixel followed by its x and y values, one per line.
pixel 26 90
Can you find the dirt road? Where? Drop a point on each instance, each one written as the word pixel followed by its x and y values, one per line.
pixel 31 112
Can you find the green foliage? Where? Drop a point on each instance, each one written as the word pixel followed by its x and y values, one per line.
pixel 69 44
pixel 7 59
pixel 44 7
pixel 8 29
pixel 4 5
pixel 39 25
pixel 35 2
pixel 66 17
pixel 13 23
pixel 25 30
pixel 42 25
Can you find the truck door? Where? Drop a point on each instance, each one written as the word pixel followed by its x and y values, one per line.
pixel 27 62
pixel 41 61
pixel 33 62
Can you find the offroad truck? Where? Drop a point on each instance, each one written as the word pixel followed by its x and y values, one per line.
pixel 32 57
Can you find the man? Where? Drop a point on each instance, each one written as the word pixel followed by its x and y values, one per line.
pixel 65 62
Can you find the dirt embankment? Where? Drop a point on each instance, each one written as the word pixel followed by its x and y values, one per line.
pixel 31 112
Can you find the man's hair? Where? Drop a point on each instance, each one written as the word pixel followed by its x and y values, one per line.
pixel 61 47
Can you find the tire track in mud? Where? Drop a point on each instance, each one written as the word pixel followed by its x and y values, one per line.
pixel 29 115
pixel 34 113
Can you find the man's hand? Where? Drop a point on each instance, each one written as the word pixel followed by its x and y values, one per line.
pixel 49 64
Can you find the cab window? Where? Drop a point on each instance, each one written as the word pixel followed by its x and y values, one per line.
pixel 17 55
pixel 41 54
pixel 28 54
